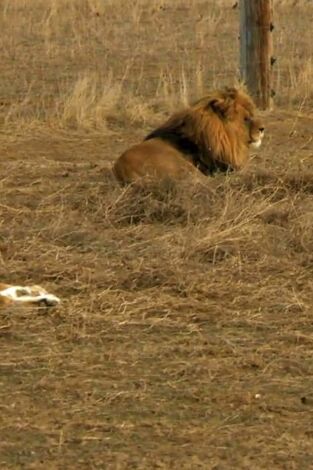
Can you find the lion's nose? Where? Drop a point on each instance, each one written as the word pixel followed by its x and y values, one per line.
pixel 261 129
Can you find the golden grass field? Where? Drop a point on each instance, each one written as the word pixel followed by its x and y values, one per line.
pixel 185 335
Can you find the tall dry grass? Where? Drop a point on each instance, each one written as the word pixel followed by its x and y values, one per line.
pixel 86 64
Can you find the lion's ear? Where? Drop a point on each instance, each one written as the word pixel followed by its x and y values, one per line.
pixel 219 106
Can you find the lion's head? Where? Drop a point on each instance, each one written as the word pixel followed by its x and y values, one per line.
pixel 212 134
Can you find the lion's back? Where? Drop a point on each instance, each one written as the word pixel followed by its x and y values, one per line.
pixel 151 158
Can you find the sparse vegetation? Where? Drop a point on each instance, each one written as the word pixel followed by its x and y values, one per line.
pixel 185 335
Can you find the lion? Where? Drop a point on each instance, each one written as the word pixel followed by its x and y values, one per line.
pixel 213 134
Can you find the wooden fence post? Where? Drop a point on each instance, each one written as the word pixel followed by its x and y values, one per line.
pixel 256 49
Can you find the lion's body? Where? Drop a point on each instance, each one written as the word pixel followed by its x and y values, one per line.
pixel 212 135
pixel 155 158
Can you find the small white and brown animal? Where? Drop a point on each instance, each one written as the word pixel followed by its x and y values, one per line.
pixel 26 295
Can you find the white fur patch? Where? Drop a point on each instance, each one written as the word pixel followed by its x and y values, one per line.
pixel 256 144
pixel 33 295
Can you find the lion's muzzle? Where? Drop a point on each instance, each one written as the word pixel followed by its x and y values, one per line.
pixel 256 141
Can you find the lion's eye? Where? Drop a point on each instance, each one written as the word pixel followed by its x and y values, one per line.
pixel 247 119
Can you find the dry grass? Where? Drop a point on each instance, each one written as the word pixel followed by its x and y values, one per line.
pixel 83 63
pixel 185 336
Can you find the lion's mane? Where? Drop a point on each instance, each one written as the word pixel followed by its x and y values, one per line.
pixel 210 130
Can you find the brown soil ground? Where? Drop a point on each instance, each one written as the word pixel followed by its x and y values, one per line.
pixel 185 334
